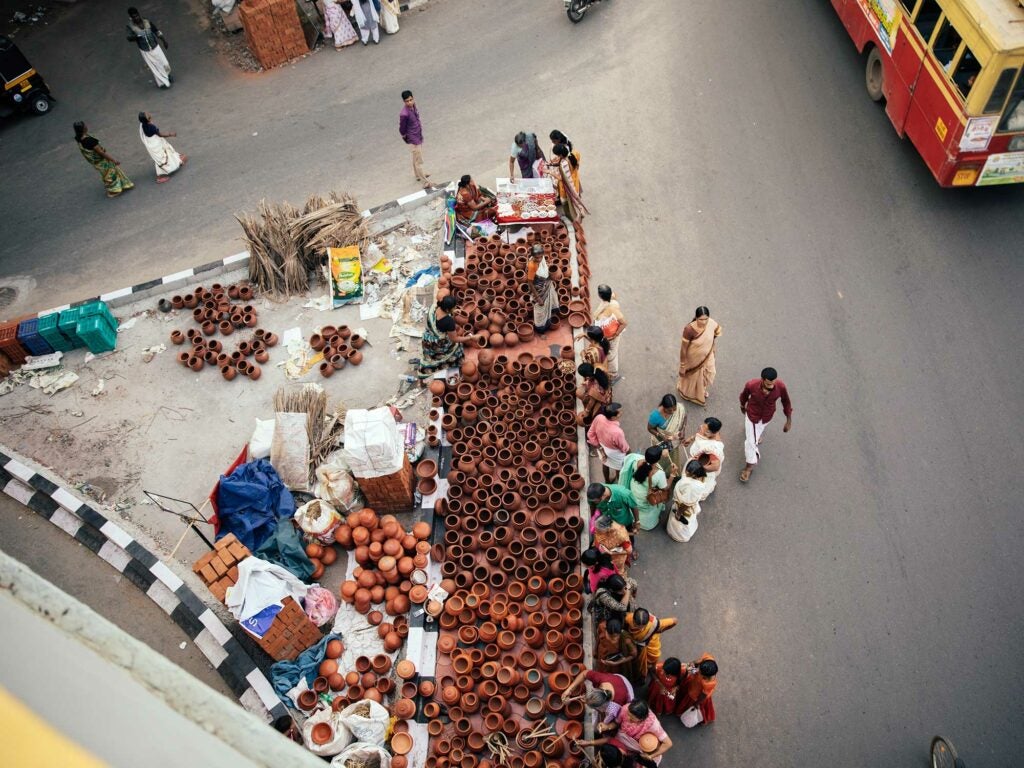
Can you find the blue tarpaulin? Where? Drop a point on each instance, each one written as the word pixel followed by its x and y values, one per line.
pixel 251 501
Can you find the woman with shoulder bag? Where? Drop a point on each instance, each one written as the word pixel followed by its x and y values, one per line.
pixel 649 484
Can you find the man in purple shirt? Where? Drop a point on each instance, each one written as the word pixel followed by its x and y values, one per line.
pixel 411 128
pixel 757 402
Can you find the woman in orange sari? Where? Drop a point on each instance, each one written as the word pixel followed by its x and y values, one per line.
pixel 696 689
pixel 697 357
pixel 472 203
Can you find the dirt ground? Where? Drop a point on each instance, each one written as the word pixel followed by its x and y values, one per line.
pixel 129 424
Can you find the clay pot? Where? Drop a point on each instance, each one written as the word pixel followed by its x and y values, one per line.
pixel 320 684
pixel 404 708
pixel 356 341
pixel 401 743
pixel 321 733
pixel 326 370
pixel 255 372
pixel 363 664
pixel 354 356
pixel 195 362
pixel 228 372
pixel 307 700
pixel 426 468
pixel 262 356
pixel 381 664
pixel 405 669
pixel 316 341
pixel 334 649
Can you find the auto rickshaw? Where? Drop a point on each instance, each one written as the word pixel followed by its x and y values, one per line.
pixel 24 88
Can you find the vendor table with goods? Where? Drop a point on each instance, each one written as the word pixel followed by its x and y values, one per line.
pixel 526 201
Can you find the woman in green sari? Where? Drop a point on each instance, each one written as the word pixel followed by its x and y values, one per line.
pixel 114 179
pixel 649 483
pixel 442 346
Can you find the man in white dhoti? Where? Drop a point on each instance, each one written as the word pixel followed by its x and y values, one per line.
pixel 145 34
pixel 165 157
pixel 367 16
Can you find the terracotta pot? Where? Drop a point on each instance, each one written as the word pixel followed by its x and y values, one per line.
pixel 354 356
pixel 307 700
pixel 326 370
pixel 356 341
pixel 317 342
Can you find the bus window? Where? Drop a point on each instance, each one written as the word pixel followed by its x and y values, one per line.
pixel 1013 115
pixel 946 44
pixel 966 72
pixel 927 17
pixel 994 105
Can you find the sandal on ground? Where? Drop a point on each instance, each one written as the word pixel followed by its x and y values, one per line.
pixel 162 179
pixel 745 475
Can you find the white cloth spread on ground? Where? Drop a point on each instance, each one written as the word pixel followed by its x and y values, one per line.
pixel 261 584
pixel 158 65
pixel 165 157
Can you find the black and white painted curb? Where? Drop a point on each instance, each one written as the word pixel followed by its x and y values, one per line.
pixel 140 566
pixel 236 261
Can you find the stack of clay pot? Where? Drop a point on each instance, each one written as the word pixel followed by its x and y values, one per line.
pixel 390 569
pixel 512 628
pixel 321 555
pixel 495 296
pixel 340 347
pixel 214 312
pixel 371 678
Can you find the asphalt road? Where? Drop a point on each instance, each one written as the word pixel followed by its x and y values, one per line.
pixel 864 591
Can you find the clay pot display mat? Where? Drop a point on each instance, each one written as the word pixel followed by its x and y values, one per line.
pixel 551 345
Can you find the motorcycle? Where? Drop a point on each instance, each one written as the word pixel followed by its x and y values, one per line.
pixel 575 9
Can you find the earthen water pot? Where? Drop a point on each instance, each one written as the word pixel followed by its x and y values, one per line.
pixel 354 357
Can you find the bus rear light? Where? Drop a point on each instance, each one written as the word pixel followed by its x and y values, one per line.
pixel 1016 144
pixel 966 175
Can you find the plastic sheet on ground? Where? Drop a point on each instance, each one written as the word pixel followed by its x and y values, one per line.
pixel 372 446
pixel 260 585
pixel 250 501
pixel 321 605
pixel 286 675
pixel 285 548
pixel 361 638
pixel 334 484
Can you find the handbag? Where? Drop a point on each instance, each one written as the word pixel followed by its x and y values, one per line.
pixel 656 496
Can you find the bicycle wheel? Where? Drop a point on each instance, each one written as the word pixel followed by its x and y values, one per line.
pixel 944 754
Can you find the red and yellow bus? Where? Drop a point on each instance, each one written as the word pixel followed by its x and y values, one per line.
pixel 950 72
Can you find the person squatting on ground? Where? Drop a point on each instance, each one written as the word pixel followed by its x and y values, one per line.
pixel 145 34
pixel 757 403
pixel 612 539
pixel 411 129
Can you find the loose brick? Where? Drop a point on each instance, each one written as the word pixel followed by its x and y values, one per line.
pixel 219 567
pixel 208 574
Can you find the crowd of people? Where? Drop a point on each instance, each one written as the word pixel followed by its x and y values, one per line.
pixel 475 205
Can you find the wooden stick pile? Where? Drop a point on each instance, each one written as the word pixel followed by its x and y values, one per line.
pixel 321 428
pixel 286 244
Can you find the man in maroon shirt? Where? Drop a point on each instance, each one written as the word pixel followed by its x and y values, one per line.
pixel 757 401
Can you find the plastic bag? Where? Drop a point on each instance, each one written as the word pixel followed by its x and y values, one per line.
pixel 335 485
pixel 318 519
pixel 691 717
pixel 289 451
pixel 262 437
pixel 321 605
pixel 367 720
pixel 342 736
pixel 361 755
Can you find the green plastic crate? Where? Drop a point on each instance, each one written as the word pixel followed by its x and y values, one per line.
pixel 49 330
pixel 68 322
pixel 100 308
pixel 96 333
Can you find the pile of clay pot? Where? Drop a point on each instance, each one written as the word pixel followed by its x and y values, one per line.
pixel 494 294
pixel 391 569
pixel 340 347
pixel 511 630
pixel 371 679
pixel 213 310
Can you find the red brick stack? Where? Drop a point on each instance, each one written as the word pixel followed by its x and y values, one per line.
pixel 390 494
pixel 273 31
pixel 291 633
pixel 219 569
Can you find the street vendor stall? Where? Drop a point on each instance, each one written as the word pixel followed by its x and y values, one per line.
pixel 526 201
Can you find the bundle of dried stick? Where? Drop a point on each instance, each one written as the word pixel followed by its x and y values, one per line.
pixel 321 428
pixel 286 244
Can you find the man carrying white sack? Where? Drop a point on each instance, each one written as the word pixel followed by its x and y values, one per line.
pixel 145 33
